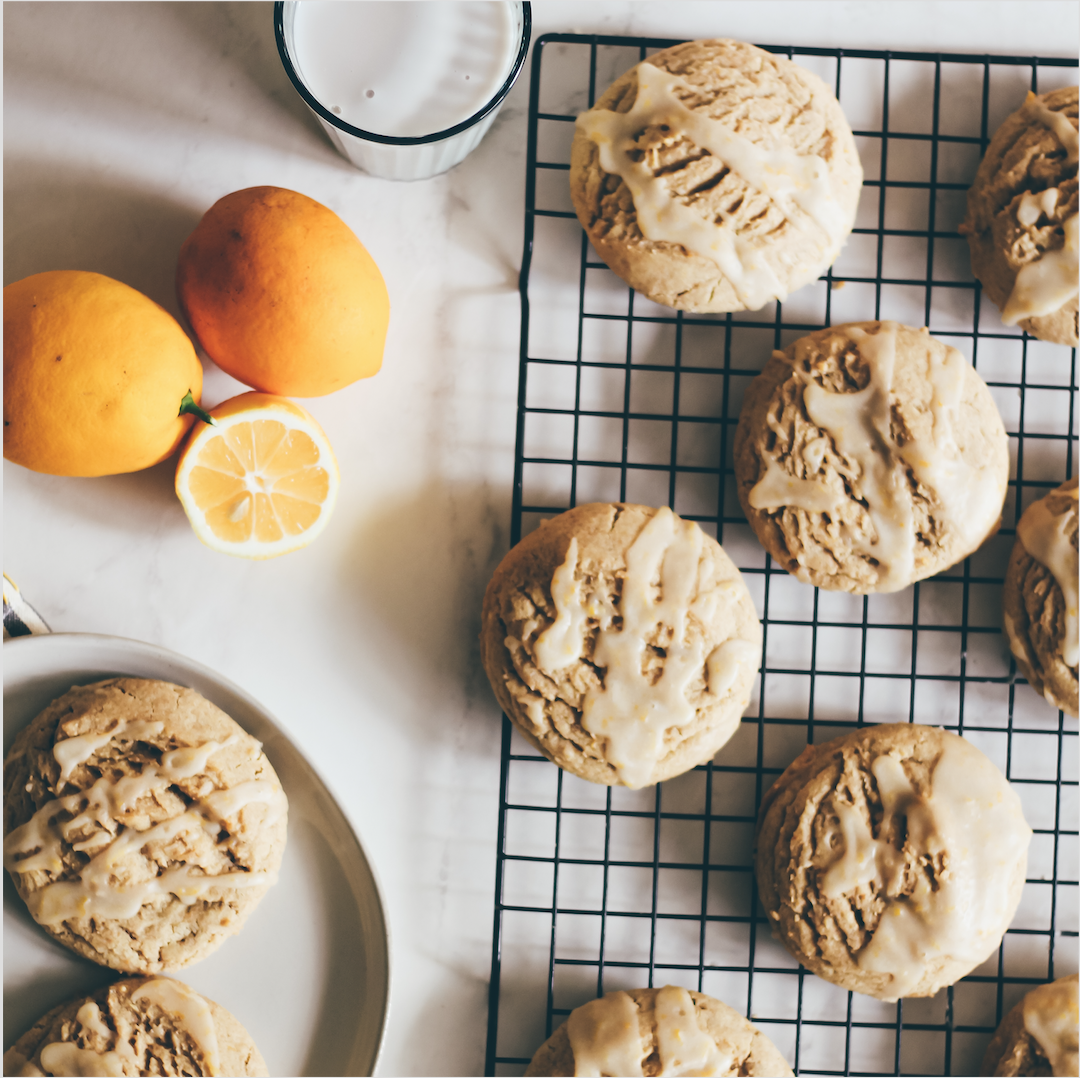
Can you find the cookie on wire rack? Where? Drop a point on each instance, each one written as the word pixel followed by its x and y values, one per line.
pixel 715 176
pixel 622 642
pixel 870 455
pixel 890 861
pixel 656 1031
pixel 1039 1035
pixel 1040 597
pixel 1022 225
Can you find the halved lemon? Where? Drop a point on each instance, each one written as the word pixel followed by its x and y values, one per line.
pixel 261 481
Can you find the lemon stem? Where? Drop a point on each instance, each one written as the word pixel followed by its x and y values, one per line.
pixel 189 407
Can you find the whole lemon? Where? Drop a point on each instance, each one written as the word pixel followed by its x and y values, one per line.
pixel 282 295
pixel 95 376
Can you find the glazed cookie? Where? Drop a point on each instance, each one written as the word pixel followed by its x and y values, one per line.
pixel 1021 220
pixel 622 642
pixel 142 1025
pixel 1040 597
pixel 869 456
pixel 658 1031
pixel 141 824
pixel 715 176
pixel 890 861
pixel 1038 1036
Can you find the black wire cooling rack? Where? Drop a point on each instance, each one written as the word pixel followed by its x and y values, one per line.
pixel 620 399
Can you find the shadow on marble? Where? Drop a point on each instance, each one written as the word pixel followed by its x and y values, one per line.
pixel 57 219
pixel 419 568
pixel 136 505
pixel 243 31
pixel 68 975
pixel 155 66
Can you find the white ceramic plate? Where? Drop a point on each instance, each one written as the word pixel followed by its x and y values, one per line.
pixel 309 974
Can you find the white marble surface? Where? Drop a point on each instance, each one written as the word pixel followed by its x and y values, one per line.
pixel 123 123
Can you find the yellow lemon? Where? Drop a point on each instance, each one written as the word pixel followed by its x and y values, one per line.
pixel 95 376
pixel 261 481
pixel 282 295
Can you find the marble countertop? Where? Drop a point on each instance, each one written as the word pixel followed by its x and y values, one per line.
pixel 123 123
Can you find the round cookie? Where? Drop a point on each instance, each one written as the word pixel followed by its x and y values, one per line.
pixel 715 176
pixel 141 824
pixel 655 1031
pixel 1040 597
pixel 622 642
pixel 890 861
pixel 137 1026
pixel 1038 1036
pixel 869 456
pixel 1021 222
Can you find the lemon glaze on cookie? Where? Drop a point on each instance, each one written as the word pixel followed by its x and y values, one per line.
pixel 972 818
pixel 605 1038
pixel 143 825
pixel 622 642
pixel 1047 283
pixel 800 184
pixel 629 710
pixel 860 426
pixel 715 176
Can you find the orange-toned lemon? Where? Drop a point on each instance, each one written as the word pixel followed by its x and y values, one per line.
pixel 261 481
pixel 282 295
pixel 95 375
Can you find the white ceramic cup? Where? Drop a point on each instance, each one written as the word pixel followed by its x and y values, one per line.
pixel 430 85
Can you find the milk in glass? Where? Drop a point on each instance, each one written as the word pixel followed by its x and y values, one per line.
pixel 408 68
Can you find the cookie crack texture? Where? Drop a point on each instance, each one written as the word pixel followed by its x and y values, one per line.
pixel 556 627
pixel 741 240
pixel 123 862
pixel 653 1031
pixel 1036 613
pixel 146 1025
pixel 1019 209
pixel 868 456
pixel 873 851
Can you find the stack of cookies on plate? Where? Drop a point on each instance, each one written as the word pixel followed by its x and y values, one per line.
pixel 623 643
pixel 142 826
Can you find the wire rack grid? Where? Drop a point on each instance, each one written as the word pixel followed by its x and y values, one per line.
pixel 620 399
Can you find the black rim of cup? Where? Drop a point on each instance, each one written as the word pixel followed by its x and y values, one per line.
pixel 393 140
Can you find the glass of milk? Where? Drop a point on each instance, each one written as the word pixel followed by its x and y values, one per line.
pixel 405 88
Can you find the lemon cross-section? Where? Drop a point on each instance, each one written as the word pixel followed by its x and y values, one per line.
pixel 262 481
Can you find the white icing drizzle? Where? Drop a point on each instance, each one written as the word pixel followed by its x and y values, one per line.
pixel 1046 284
pixel 605 1038
pixel 1036 204
pixel 1050 1016
pixel 189 1011
pixel 63 1057
pixel 685 1048
pixel 1057 122
pixel 561 642
pixel 777 489
pixel 972 818
pixel 186 1008
pixel 73 751
pixel 799 184
pixel 1046 538
pixel 969 496
pixel 89 1017
pixel 36 846
pixel 726 661
pixel 1016 645
pixel 630 711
